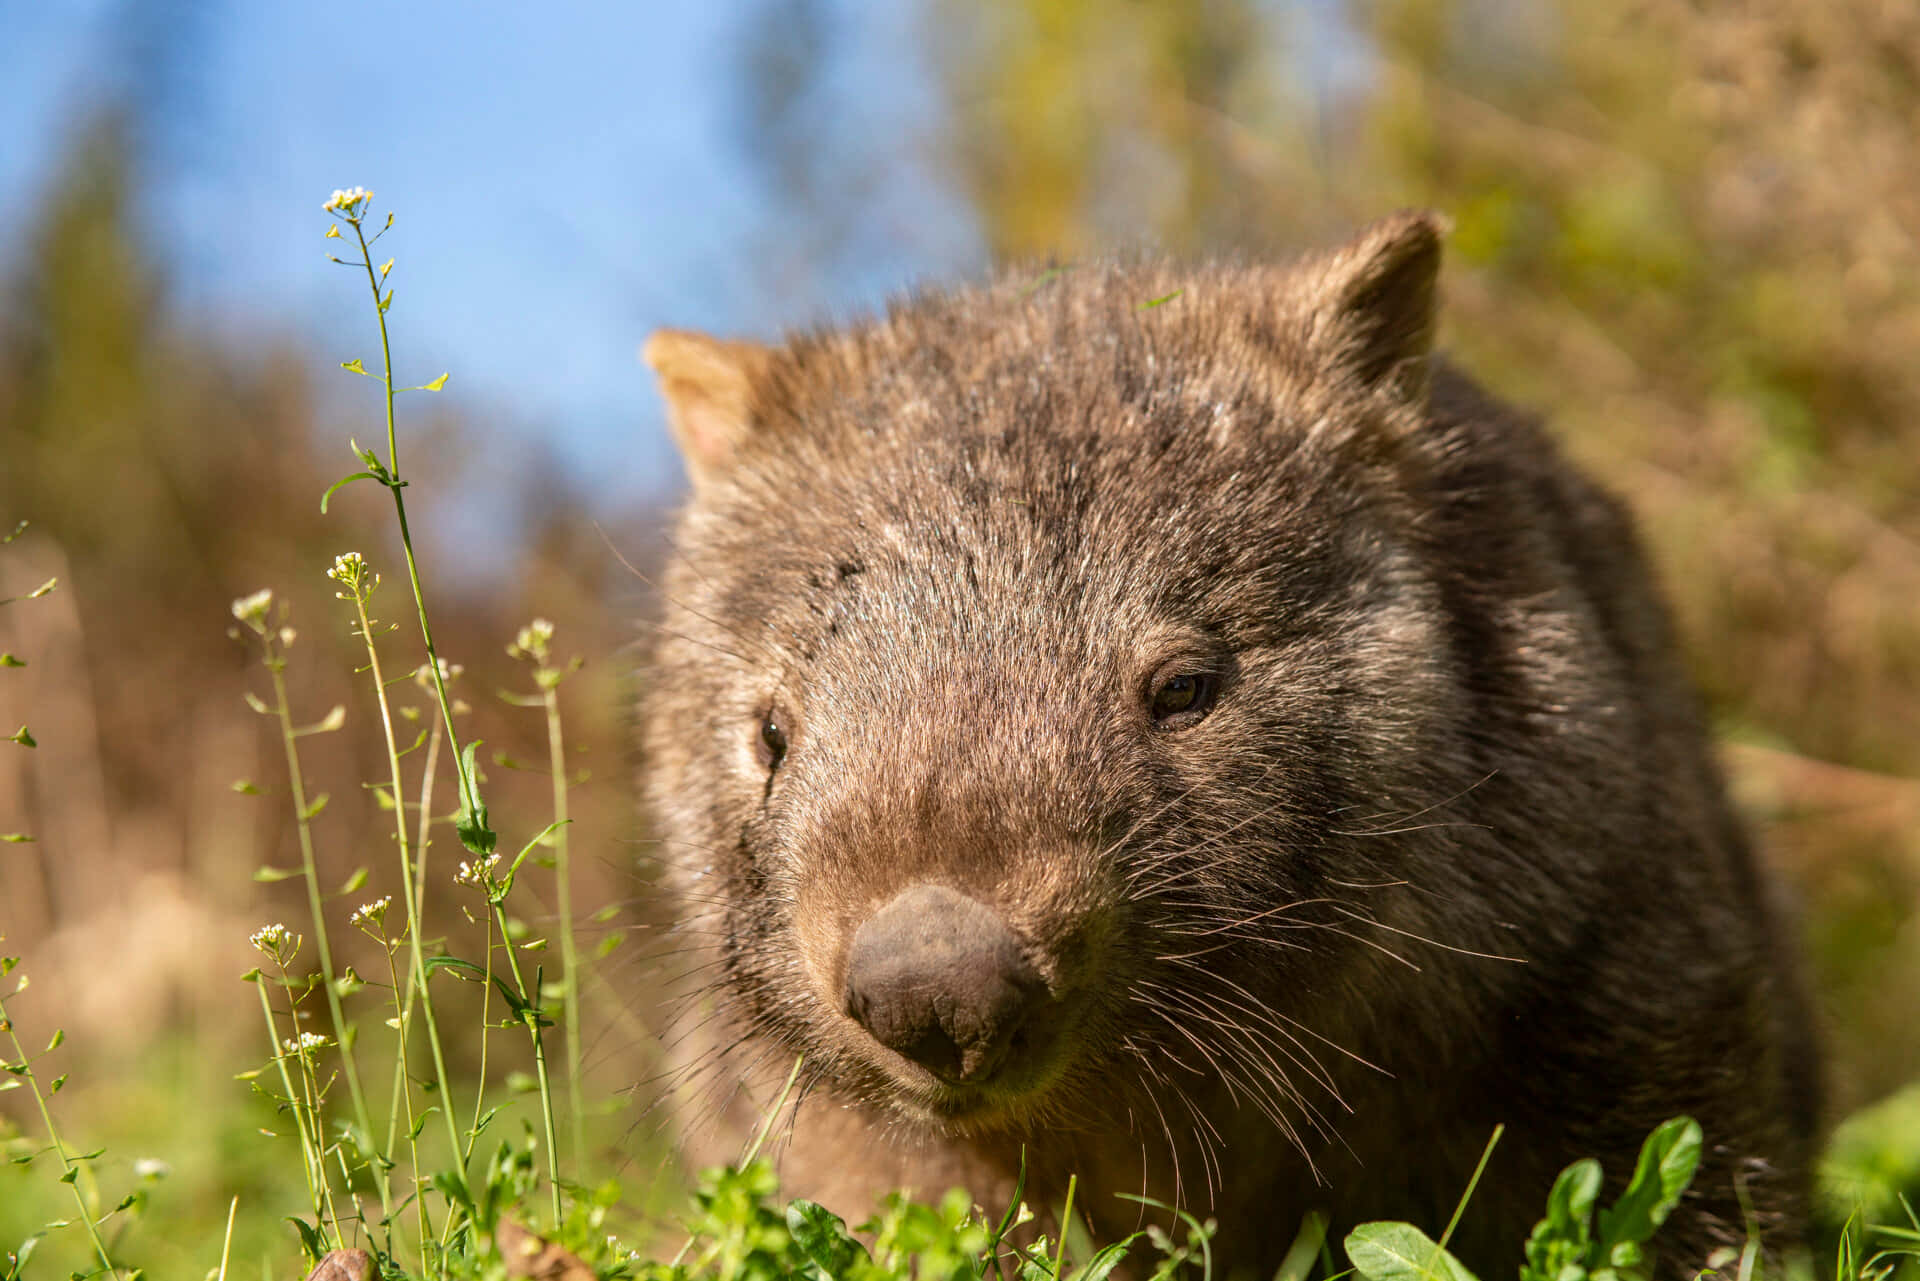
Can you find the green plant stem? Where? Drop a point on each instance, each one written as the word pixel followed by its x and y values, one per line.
pixel 304 822
pixel 311 1089
pixel 569 958
pixel 1486 1153
pixel 309 1161
pixel 531 1015
pixel 394 486
pixel 403 1095
pixel 486 1029
pixel 417 962
pixel 72 1171
pixel 403 1005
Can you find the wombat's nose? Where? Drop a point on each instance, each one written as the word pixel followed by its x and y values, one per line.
pixel 940 978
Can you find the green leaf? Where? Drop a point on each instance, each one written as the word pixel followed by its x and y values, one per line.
pixel 319 802
pixel 332 721
pixel 1305 1250
pixel 16 838
pixel 72 1173
pixel 59 1035
pixel 823 1237
pixel 386 267
pixel 1559 1249
pixel 506 881
pixel 355 367
pixel 8 660
pixel 471 824
pixel 245 787
pixel 342 483
pixel 459 965
pixel 253 701
pixel 354 882
pixel 1667 1163
pixel 1401 1252
pixel 311 1243
pixel 58 1082
pixel 269 875
pixel 1109 1257
pixel 435 385
pixel 22 737
pixel 1163 299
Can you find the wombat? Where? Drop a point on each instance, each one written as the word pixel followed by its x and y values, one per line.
pixel 1166 724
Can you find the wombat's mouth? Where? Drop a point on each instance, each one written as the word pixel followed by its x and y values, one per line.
pixel 1037 1058
pixel 953 1007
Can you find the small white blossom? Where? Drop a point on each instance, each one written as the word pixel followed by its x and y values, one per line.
pixel 352 572
pixel 347 202
pixel 276 941
pixel 478 873
pixel 534 641
pixel 449 672
pixel 151 1168
pixel 308 1042
pixel 252 610
pixel 371 913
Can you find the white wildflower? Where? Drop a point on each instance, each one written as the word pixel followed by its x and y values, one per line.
pixel 351 571
pixel 478 873
pixel 449 672
pixel 276 941
pixel 373 913
pixel 348 202
pixel 252 610
pixel 151 1168
pixel 534 641
pixel 308 1042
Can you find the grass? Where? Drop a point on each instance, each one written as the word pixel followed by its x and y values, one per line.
pixel 463 1171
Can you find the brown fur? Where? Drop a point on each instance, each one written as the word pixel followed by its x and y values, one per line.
pixel 1450 849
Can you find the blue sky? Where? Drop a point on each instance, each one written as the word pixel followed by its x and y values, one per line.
pixel 564 185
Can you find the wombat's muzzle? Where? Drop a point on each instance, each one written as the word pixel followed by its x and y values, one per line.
pixel 942 980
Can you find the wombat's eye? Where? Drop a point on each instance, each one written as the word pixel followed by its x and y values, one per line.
pixel 1181 698
pixel 772 745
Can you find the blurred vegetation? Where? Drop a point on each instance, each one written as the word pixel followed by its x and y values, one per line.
pixel 1687 232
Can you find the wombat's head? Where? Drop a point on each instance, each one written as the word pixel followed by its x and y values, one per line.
pixel 1033 659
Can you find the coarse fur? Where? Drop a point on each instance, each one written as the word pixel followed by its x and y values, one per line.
pixel 1449 849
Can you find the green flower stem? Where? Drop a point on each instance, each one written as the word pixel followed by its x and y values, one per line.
pixel 417 962
pixel 309 1162
pixel 569 959
pixel 403 1096
pixel 531 1015
pixel 276 668
pixel 394 486
pixel 403 1009
pixel 311 1089
pixel 486 1028
pixel 53 1137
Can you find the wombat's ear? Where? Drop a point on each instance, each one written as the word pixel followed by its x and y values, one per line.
pixel 708 385
pixel 1373 302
